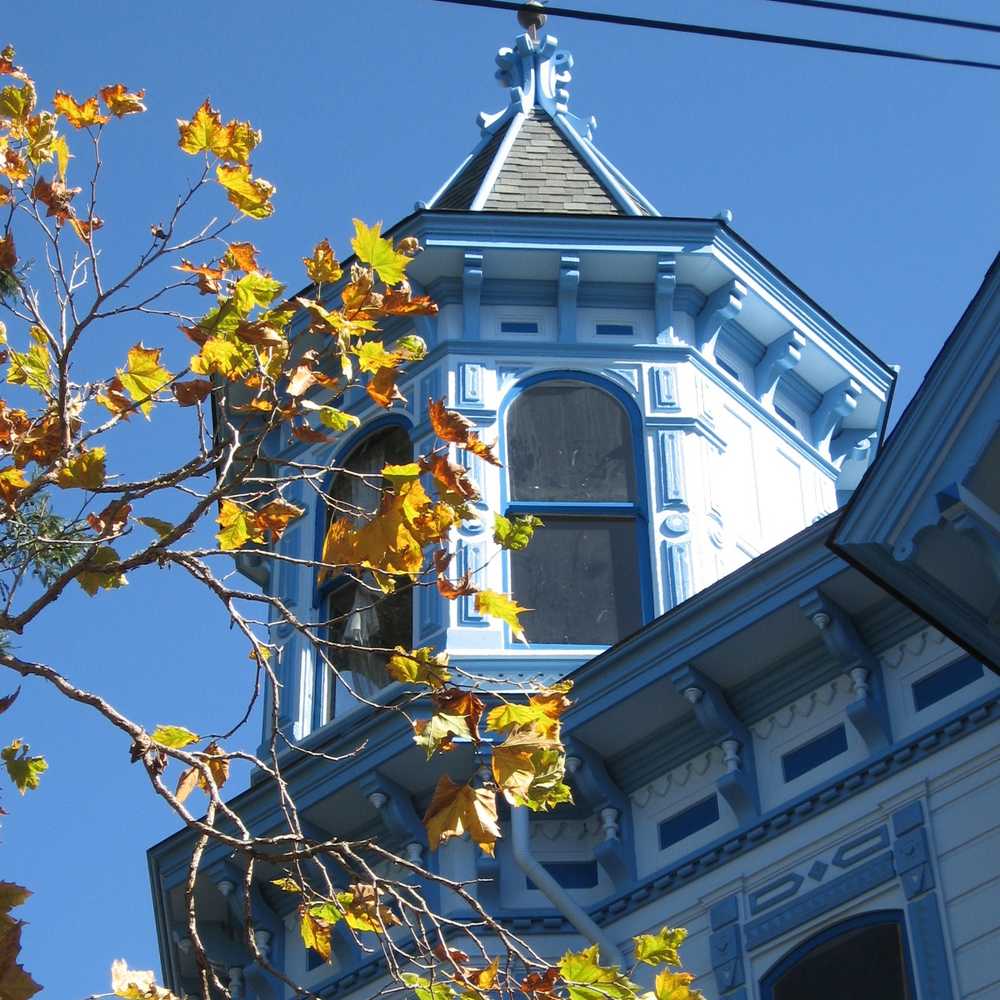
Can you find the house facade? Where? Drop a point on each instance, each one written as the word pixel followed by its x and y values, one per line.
pixel 784 725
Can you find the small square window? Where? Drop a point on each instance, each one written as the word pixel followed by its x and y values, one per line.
pixel 518 326
pixel 810 755
pixel 570 874
pixel 614 330
pixel 689 821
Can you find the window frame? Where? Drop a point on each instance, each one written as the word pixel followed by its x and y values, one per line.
pixel 636 510
pixel 322 591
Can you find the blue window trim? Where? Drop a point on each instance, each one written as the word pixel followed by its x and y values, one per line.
pixel 322 590
pixel 801 760
pixel 688 821
pixel 638 510
pixel 945 681
pixel 874 918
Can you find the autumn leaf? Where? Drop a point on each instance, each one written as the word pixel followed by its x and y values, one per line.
pixel 274 517
pixel 330 416
pixel 14 166
pixel 23 769
pixel 191 392
pixel 78 115
pixel 424 989
pixel 239 526
pixel 660 948
pixel 33 367
pixel 218 766
pixel 364 911
pixel 40 131
pixel 8 253
pixel 323 266
pixel 437 734
pixel 98 576
pixel 452 480
pixel 453 427
pixel 84 471
pixel 587 979
pixel 17 103
pixel 420 666
pixel 85 228
pixel 174 737
pixel 120 101
pixel 112 519
pixel 143 376
pixel 382 387
pixel 56 197
pixel 401 303
pixel 398 474
pixel 62 154
pixel 457 809
pixel 376 251
pixel 529 770
pixel 241 257
pixel 251 195
pixel 162 528
pixel 11 482
pixel 315 932
pixel 205 133
pixel 495 605
pixel 15 983
pixel 133 985
pixel 674 986
pixel 372 356
pixel 255 289
pixel 514 533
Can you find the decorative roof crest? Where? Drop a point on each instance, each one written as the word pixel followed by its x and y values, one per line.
pixel 536 72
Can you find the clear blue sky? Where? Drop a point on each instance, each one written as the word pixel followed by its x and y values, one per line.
pixel 872 184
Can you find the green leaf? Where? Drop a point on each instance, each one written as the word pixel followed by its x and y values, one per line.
pixel 288 884
pixel 660 948
pixel 330 416
pixel 437 732
pixel 174 737
pixel 255 289
pixel 420 666
pixel 514 533
pixel 97 577
pixel 24 770
pixel 373 249
pixel 414 347
pixel 426 990
pixel 494 605
pixel 162 528
pixel 586 979
pixel 31 368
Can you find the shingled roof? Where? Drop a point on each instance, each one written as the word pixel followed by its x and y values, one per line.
pixel 534 156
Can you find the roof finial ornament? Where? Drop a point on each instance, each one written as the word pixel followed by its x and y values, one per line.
pixel 531 17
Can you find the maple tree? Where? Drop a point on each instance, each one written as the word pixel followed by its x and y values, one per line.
pixel 69 519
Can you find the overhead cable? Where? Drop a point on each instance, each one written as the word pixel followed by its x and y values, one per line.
pixel 735 33
pixel 901 15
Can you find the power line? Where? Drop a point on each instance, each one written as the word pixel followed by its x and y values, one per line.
pixel 745 36
pixel 902 15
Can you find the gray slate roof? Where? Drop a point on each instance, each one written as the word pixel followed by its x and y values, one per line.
pixel 541 172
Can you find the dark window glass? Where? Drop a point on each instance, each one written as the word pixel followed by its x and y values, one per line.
pixel 359 614
pixel 865 961
pixel 614 330
pixel 580 577
pixel 689 821
pixel 815 752
pixel 945 681
pixel 517 326
pixel 569 442
pixel 570 874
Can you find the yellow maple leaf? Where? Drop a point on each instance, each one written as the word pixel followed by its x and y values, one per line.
pixel 204 133
pixel 84 471
pixel 457 809
pixel 251 195
pixel 120 101
pixel 143 376
pixel 494 605
pixel 322 266
pixel 78 115
pixel 41 134
pixel 239 526
pixel 374 249
pixel 11 481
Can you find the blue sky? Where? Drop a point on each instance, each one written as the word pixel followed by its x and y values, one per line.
pixel 872 184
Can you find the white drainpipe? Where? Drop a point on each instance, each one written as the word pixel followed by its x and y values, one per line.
pixel 520 845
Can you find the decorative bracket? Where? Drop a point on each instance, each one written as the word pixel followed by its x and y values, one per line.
pixel 666 285
pixel 837 403
pixel 782 355
pixel 396 813
pixel 964 512
pixel 598 791
pixel 856 444
pixel 722 305
pixel 472 291
pixel 868 713
pixel 738 786
pixel 569 284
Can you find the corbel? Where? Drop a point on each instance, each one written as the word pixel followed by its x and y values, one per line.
pixel 781 356
pixel 396 813
pixel 855 444
pixel 569 285
pixel 723 304
pixel 868 713
pixel 963 512
pixel 837 403
pixel 597 790
pixel 666 285
pixel 472 293
pixel 738 786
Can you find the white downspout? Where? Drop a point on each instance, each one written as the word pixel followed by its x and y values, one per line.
pixel 520 845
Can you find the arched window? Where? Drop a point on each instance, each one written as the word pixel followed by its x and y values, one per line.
pixel 869 950
pixel 357 612
pixel 571 461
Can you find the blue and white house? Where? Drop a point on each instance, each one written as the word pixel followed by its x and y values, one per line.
pixel 784 734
